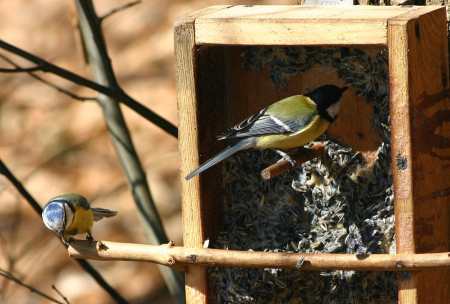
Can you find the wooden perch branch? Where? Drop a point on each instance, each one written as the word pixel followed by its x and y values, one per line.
pixel 303 155
pixel 174 256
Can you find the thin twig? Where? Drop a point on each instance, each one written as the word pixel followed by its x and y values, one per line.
pixel 4 170
pixel 98 58
pixel 119 9
pixel 302 155
pixel 174 256
pixel 9 276
pixel 20 70
pixel 61 294
pixel 117 94
pixel 46 82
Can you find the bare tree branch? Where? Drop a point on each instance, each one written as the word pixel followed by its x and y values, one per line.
pixel 100 62
pixel 4 170
pixel 119 9
pixel 9 276
pixel 61 294
pixel 175 256
pixel 44 81
pixel 116 93
pixel 20 70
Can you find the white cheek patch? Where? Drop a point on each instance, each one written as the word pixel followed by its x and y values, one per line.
pixel 333 110
pixel 69 215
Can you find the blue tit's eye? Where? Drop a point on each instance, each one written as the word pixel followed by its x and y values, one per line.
pixel 54 216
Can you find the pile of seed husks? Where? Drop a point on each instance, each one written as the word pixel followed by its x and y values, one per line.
pixel 332 205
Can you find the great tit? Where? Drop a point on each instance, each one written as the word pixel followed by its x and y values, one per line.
pixel 286 124
pixel 70 214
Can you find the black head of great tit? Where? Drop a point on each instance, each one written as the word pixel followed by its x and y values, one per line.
pixel 71 214
pixel 286 124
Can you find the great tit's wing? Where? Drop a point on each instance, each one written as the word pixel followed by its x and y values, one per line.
pixel 242 127
pixel 288 115
pixel 225 153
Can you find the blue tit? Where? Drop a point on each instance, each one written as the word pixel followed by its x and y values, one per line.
pixel 286 124
pixel 70 214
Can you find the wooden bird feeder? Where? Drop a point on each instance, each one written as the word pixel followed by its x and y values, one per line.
pixel 214 92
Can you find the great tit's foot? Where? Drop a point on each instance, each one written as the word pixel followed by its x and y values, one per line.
pixel 285 156
pixel 89 237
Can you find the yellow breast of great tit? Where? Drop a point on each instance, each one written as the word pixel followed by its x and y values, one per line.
pixel 314 129
pixel 82 222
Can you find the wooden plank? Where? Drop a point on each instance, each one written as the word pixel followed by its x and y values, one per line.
pixel 299 25
pixel 319 13
pixel 281 32
pixel 195 284
pixel 415 13
pixel 431 158
pixel 420 149
pixel 294 25
pixel 401 148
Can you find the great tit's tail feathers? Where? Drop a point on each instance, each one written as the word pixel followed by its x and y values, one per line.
pixel 100 213
pixel 225 153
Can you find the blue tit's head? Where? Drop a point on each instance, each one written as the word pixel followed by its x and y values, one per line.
pixel 328 100
pixel 57 215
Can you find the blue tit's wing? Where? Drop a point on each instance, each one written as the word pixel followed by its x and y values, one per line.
pixel 100 213
pixel 288 115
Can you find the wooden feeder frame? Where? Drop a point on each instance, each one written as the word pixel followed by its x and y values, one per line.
pixel 416 39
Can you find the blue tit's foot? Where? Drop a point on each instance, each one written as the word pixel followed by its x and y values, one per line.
pixel 100 245
pixel 286 157
pixel 67 241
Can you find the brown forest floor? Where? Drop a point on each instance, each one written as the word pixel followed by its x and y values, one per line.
pixel 57 145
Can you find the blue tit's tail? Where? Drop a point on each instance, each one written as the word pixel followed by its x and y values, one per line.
pixel 100 213
pixel 225 153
